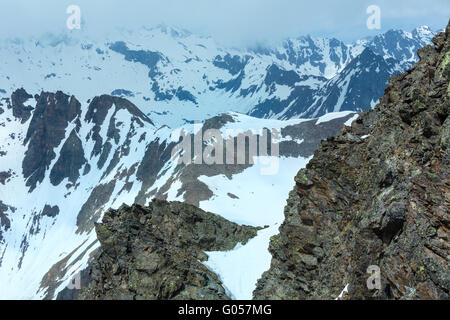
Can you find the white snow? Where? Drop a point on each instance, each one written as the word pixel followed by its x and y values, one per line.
pixel 241 268
pixel 261 202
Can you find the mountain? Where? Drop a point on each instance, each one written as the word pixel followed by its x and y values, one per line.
pixel 397 45
pixel 357 83
pixel 356 86
pixel 375 197
pixel 65 162
pixel 176 77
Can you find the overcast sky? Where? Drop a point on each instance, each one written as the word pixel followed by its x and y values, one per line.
pixel 232 22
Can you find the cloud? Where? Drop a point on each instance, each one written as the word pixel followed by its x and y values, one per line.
pixel 232 22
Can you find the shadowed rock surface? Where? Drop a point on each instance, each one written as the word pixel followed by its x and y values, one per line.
pixel 155 252
pixel 377 194
pixel 53 114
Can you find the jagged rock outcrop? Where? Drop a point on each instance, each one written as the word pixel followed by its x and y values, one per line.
pixel 155 252
pixel 377 194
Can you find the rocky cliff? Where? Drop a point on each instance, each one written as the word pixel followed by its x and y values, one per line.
pixel 378 194
pixel 155 252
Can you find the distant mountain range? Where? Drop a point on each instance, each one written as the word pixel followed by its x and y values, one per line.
pixel 176 77
pixel 64 163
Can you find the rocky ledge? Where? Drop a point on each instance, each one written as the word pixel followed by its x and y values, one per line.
pixel 377 195
pixel 155 252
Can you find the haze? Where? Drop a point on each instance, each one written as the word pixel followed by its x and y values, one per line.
pixel 231 22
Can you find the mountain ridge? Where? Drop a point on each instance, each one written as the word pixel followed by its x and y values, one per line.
pixel 104 150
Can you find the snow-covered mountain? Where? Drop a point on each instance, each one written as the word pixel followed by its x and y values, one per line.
pixel 87 125
pixel 173 74
pixel 64 162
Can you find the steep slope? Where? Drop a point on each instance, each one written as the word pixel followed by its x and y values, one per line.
pixel 378 194
pixel 62 167
pixel 357 87
pixel 66 157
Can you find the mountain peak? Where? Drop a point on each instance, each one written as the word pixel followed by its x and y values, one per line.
pixel 173 31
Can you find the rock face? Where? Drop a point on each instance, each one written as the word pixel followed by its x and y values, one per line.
pixel 5 223
pixel 377 194
pixel 155 252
